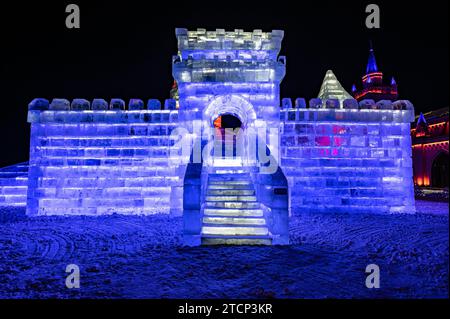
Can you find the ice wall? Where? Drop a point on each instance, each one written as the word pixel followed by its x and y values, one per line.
pixel 351 159
pixel 100 158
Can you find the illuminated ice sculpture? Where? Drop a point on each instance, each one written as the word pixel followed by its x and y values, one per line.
pixel 332 154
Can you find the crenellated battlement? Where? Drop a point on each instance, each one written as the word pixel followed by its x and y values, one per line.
pixel 401 111
pixel 220 56
pixel 315 103
pixel 221 40
pixel 99 110
pixel 57 104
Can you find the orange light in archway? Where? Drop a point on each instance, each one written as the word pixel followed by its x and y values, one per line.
pixel 218 122
pixel 419 181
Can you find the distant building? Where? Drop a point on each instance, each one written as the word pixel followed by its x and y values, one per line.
pixel 430 137
pixel 373 87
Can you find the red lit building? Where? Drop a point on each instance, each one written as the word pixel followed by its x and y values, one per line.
pixel 430 137
pixel 373 87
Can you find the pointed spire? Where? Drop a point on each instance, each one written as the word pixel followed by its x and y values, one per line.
pixel 372 63
pixel 332 89
pixel 393 82
pixel 421 126
pixel 421 120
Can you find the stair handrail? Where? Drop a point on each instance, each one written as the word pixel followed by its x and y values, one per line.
pixel 273 193
pixel 194 193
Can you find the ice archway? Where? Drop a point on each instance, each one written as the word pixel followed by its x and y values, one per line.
pixel 230 104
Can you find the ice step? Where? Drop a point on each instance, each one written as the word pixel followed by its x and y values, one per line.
pixel 227 161
pixel 231 192
pixel 235 231
pixel 236 240
pixel 230 187
pixel 233 212
pixel 214 198
pixel 228 182
pixel 239 168
pixel 228 171
pixel 233 221
pixel 236 205
pixel 229 174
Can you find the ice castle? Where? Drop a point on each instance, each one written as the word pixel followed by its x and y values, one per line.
pixel 232 185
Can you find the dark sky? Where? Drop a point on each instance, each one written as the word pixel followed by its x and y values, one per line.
pixel 124 50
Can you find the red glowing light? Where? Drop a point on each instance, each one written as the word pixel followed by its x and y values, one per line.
pixel 375 91
pixel 372 75
pixel 419 181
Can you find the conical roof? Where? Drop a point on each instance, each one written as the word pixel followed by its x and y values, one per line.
pixel 332 89
pixel 372 62
pixel 421 120
pixel 422 125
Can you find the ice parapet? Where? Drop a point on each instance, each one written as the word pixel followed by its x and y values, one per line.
pixel 135 104
pixel 80 104
pixel 99 104
pixel 38 104
pixel 117 104
pixel 349 160
pixel 300 103
pixel 60 104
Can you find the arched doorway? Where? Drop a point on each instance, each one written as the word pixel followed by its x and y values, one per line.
pixel 227 129
pixel 439 171
pixel 228 118
pixel 227 121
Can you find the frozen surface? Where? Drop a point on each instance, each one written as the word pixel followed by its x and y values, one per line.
pixel 142 257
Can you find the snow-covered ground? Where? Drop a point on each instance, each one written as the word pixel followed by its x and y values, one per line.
pixel 142 257
pixel 428 207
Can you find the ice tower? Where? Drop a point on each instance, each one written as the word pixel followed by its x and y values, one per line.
pixel 232 198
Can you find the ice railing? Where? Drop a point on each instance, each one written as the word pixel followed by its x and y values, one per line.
pixel 40 110
pixel 401 111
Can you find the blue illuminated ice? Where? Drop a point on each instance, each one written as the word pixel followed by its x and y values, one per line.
pixel 330 154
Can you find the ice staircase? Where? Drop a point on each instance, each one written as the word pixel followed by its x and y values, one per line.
pixel 231 213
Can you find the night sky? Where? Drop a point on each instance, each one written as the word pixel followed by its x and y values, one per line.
pixel 124 50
